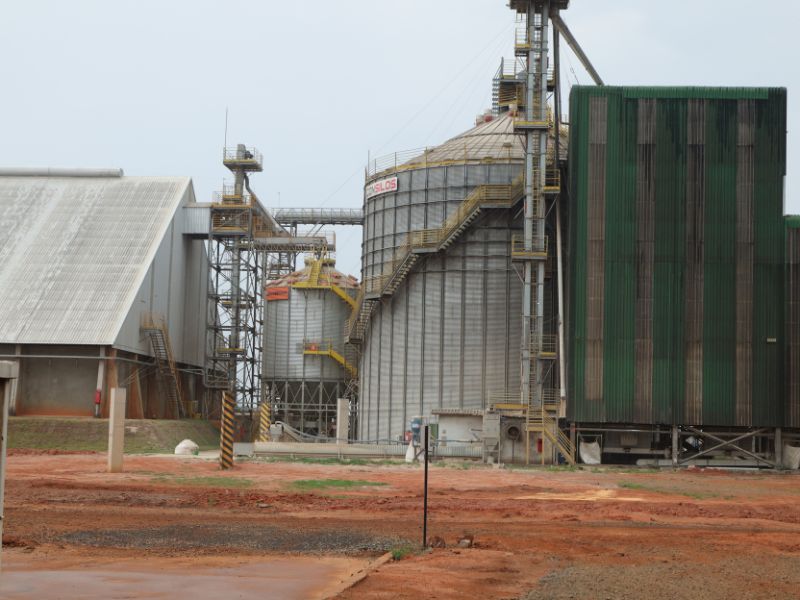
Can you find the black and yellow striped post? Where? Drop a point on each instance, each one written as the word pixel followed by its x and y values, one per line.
pixel 226 431
pixel 264 422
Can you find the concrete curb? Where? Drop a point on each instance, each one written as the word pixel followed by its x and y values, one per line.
pixel 359 576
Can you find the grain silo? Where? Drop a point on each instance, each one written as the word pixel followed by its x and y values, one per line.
pixel 306 366
pixel 446 333
pixel 677 257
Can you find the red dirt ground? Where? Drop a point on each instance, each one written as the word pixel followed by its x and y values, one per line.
pixel 601 533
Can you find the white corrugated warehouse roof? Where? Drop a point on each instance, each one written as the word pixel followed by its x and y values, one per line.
pixel 74 252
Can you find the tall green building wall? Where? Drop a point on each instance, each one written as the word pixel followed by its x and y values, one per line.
pixel 676 256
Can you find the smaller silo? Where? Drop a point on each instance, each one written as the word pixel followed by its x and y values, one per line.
pixel 306 366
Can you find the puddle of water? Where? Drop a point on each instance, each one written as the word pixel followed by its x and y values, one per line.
pixel 279 578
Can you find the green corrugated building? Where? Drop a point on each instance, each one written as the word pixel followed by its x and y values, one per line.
pixel 677 257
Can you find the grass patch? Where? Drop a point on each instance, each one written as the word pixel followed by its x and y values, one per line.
pixel 203 481
pixel 631 485
pixel 82 434
pixel 321 484
pixel 400 552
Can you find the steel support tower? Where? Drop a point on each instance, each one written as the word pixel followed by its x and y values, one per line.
pixel 236 262
pixel 538 348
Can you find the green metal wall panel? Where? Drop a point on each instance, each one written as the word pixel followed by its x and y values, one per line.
pixel 714 197
pixel 719 286
pixel 577 238
pixel 792 359
pixel 670 235
pixel 620 261
pixel 769 390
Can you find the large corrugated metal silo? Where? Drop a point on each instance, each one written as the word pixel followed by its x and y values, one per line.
pixel 446 332
pixel 676 256
pixel 306 366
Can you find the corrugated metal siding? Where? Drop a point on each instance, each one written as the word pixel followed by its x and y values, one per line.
pixel 695 212
pixel 668 263
pixel 687 274
pixel 449 336
pixel 792 411
pixel 75 251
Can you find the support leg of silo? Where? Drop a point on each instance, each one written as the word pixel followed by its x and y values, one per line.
pixel 675 445
pixel 226 431
pixel 264 422
pixel 778 447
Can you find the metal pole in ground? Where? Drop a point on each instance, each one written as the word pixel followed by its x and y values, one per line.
pixel 425 496
pixel 226 431
pixel 3 435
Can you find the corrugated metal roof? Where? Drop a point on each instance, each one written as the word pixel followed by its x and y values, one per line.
pixel 327 275
pixel 492 140
pixel 74 252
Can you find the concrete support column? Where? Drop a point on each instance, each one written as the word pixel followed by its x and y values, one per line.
pixel 13 400
pixel 779 447
pixel 116 430
pixel 4 394
pixel 8 374
pixel 98 392
pixel 675 438
pixel 342 420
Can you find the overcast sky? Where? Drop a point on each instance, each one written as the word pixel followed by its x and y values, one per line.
pixel 317 85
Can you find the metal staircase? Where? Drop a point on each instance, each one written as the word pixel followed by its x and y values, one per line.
pixel 426 241
pixel 325 348
pixel 544 420
pixel 156 328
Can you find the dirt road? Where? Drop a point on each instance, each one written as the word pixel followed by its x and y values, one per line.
pixel 538 533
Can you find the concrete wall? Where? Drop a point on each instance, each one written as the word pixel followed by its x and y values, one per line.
pixel 57 386
pixel 175 286
pixel 64 380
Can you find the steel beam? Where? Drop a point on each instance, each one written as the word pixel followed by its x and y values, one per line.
pixel 723 443
pixel 576 48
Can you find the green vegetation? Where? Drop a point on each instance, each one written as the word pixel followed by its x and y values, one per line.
pixel 319 484
pixel 400 552
pixel 82 434
pixel 631 485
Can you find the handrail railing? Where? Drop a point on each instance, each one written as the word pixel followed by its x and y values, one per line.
pixel 538 248
pixel 241 153
pixel 326 348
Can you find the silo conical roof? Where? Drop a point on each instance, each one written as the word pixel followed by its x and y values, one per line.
pixel 328 275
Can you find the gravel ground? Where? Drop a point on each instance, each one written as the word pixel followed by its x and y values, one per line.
pixel 264 538
pixel 726 578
